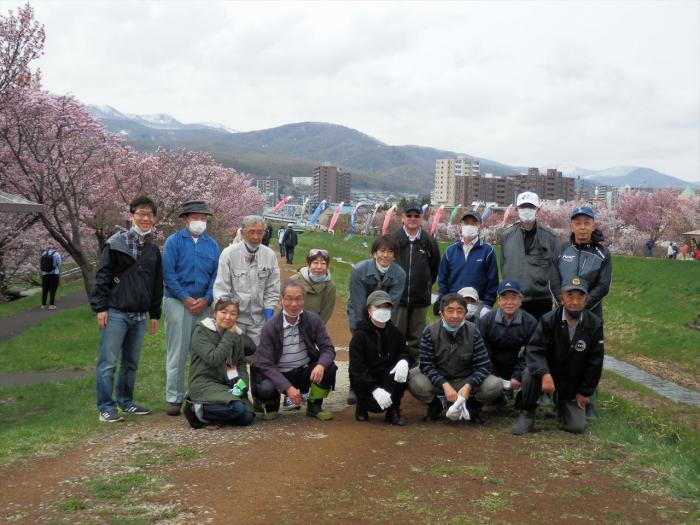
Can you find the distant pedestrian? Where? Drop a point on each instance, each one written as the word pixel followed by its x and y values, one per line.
pixel 280 238
pixel 267 235
pixel 685 252
pixel 50 265
pixel 672 251
pixel 289 239
pixel 128 284
pixel 650 248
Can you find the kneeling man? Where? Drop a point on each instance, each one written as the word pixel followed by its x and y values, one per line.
pixel 295 357
pixel 454 363
pixel 565 355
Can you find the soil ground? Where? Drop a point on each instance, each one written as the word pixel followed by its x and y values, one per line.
pixel 299 470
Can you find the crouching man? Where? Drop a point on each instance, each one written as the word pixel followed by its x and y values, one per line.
pixel 564 356
pixel 295 357
pixel 454 363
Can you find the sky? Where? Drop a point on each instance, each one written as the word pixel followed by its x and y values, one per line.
pixel 547 84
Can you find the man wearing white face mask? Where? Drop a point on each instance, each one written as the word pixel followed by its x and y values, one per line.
pixel 378 361
pixel 190 258
pixel 530 255
pixel 475 310
pixel 469 262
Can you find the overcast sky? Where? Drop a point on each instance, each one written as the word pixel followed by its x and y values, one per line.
pixel 591 84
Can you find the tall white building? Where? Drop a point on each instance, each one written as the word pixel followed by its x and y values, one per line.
pixel 446 172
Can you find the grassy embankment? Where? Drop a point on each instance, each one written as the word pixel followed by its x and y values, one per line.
pixel 652 300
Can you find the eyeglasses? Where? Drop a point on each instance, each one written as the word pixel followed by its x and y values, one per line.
pixel 145 214
pixel 318 251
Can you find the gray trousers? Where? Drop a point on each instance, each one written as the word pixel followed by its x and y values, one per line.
pixel 423 390
pixel 571 417
pixel 179 325
pixel 411 321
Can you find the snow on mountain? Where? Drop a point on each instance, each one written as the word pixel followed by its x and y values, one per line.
pixel 215 125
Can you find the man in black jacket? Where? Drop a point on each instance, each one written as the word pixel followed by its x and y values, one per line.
pixel 128 284
pixel 565 355
pixel 289 240
pixel 419 256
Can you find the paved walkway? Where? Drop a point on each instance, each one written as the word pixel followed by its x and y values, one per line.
pixel 18 323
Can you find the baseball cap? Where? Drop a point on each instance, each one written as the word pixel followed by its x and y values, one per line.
pixel 470 292
pixel 528 197
pixel 575 283
pixel 413 206
pixel 509 285
pixel 471 214
pixel 378 297
pixel 582 210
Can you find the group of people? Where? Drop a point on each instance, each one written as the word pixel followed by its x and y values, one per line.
pixel 247 333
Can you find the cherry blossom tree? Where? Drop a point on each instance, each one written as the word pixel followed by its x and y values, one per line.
pixel 648 212
pixel 21 41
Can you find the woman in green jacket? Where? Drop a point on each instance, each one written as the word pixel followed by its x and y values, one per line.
pixel 320 288
pixel 218 389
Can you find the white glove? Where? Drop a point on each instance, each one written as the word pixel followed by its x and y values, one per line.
pixel 464 413
pixel 455 411
pixel 400 371
pixel 382 397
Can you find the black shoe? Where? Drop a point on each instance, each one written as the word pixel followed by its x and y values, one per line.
pixel 360 413
pixel 435 409
pixel 188 411
pixel 590 411
pixel 352 397
pixel 393 417
pixel 525 423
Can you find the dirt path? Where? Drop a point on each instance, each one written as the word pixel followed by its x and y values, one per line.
pixel 298 470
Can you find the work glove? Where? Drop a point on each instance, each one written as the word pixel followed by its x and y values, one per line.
pixel 400 371
pixel 458 410
pixel 269 312
pixel 382 397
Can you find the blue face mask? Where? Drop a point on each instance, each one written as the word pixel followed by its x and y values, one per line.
pixel 452 329
pixel 316 279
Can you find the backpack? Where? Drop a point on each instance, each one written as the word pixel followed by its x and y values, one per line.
pixel 47 263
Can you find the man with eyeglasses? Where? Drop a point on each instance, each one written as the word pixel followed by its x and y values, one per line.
pixel 249 275
pixel 128 285
pixel 419 256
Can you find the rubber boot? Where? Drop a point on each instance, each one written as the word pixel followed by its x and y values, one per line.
pixel 314 405
pixel 525 423
pixel 435 409
pixel 188 412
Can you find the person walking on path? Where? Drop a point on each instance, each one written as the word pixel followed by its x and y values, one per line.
pixel 280 238
pixel 128 285
pixel 530 255
pixel 190 258
pixel 419 256
pixel 249 275
pixel 50 265
pixel 289 239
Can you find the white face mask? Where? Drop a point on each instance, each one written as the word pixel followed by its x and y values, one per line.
pixel 141 232
pixel 197 227
pixel 381 315
pixel 471 309
pixel 470 231
pixel 527 215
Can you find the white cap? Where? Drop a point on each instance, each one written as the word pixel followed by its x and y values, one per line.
pixel 528 197
pixel 469 292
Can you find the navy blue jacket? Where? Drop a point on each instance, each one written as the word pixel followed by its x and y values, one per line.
pixel 479 271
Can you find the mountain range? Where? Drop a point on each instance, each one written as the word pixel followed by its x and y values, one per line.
pixel 296 149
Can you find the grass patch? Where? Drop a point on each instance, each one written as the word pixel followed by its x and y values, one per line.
pixel 125 487
pixel 71 505
pixel 495 501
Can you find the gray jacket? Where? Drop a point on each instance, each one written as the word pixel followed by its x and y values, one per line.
pixel 537 270
pixel 255 285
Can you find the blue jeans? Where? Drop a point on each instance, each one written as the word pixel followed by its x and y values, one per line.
pixel 234 413
pixel 121 338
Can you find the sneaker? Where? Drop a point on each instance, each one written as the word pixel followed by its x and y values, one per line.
pixel 173 409
pixel 43 307
pixel 287 404
pixel 525 423
pixel 136 410
pixel 110 416
pixel 52 307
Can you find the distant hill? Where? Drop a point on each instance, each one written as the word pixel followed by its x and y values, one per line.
pixel 296 149
pixel 629 175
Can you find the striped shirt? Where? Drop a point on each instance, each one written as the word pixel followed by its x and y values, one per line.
pixel 293 351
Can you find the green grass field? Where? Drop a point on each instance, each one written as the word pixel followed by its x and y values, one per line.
pixel 647 313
